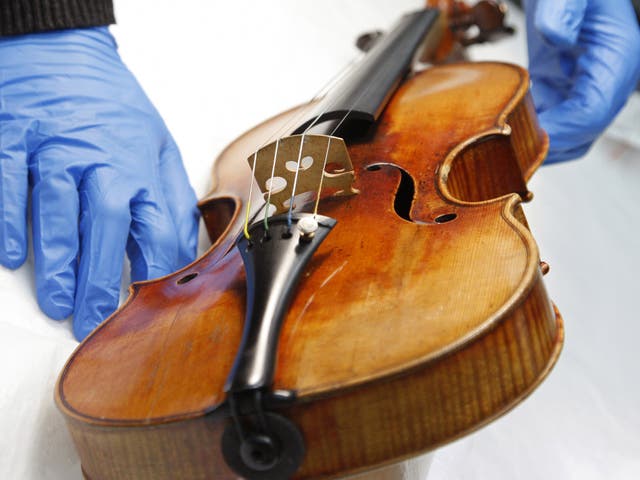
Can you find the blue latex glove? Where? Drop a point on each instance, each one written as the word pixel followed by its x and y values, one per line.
pixel 584 60
pixel 104 172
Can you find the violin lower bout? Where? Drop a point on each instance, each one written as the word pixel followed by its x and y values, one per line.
pixel 358 428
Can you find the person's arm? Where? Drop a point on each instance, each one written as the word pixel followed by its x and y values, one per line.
pixel 78 133
pixel 584 61
pixel 18 17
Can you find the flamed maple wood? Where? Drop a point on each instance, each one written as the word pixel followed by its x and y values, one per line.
pixel 403 334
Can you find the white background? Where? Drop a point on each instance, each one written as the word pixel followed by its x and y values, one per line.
pixel 216 68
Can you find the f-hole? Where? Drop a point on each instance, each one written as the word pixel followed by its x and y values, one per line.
pixel 405 193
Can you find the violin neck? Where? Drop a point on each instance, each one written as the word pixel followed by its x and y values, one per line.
pixel 362 95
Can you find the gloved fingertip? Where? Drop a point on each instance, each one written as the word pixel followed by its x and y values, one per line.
pixel 14 253
pixel 57 306
pixel 13 260
pixel 91 313
pixel 82 328
pixel 560 22
pixel 84 324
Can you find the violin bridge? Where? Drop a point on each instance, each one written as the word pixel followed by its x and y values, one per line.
pixel 276 166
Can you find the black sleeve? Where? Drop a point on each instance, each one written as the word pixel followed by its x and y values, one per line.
pixel 29 16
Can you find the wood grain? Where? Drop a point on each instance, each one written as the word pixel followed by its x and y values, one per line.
pixel 404 334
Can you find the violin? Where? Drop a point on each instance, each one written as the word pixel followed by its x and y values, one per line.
pixel 372 290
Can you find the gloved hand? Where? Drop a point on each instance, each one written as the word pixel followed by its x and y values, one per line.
pixel 584 61
pixel 104 172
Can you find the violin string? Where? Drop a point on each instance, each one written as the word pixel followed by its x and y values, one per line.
pixel 309 127
pixel 365 90
pixel 273 169
pixel 246 220
pixel 324 165
pixel 326 155
pixel 335 129
pixel 315 121
pixel 287 126
pixel 295 180
pixel 319 94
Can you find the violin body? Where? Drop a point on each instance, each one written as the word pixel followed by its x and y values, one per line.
pixel 422 316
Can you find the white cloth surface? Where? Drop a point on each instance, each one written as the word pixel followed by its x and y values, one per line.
pixel 214 69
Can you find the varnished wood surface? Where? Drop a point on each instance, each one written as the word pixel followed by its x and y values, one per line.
pixel 403 334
